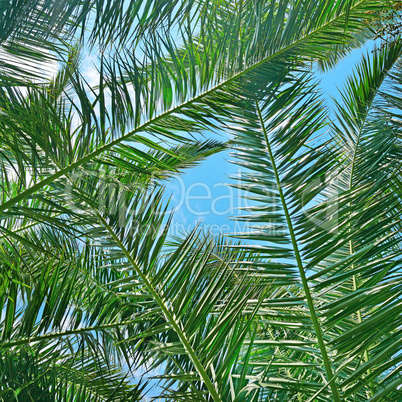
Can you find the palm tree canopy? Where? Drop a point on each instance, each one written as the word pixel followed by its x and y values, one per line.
pixel 99 301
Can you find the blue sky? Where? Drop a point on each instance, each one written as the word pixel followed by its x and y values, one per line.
pixel 201 195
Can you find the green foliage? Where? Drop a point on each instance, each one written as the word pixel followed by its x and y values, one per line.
pixel 97 299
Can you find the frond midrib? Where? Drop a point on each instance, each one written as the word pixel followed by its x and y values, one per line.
pixel 314 319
